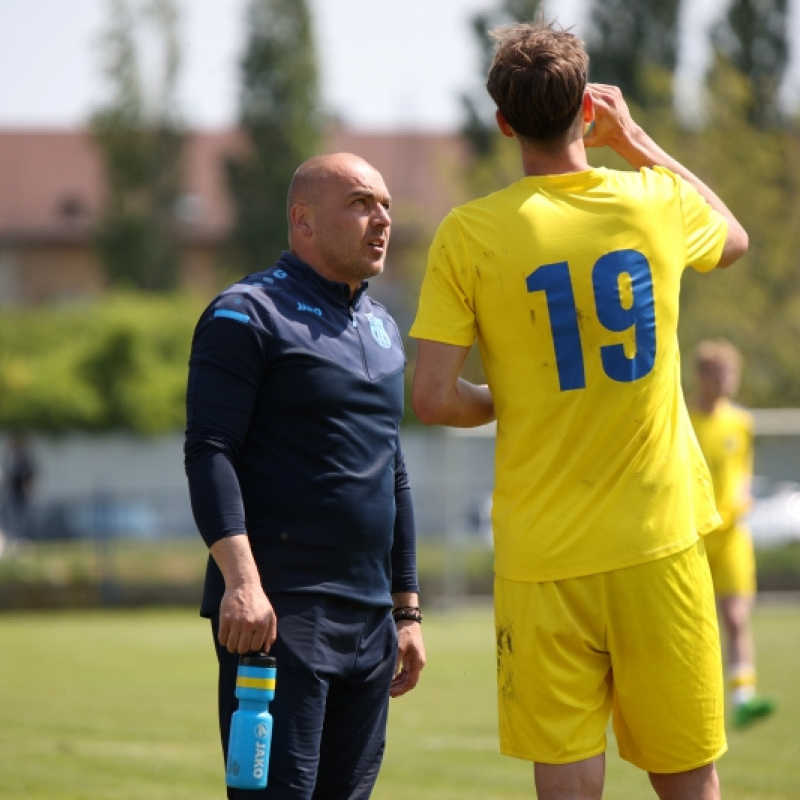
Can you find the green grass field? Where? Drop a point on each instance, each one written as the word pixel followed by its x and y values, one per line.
pixel 121 706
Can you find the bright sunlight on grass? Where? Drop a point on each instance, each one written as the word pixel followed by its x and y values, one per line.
pixel 121 706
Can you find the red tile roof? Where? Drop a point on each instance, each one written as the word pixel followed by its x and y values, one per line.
pixel 421 170
pixel 46 180
pixel 51 182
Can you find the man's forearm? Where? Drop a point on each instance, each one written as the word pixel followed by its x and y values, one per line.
pixel 466 406
pixel 246 618
pixel 640 150
pixel 439 396
pixel 235 560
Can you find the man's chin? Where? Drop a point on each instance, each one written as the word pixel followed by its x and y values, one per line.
pixel 375 268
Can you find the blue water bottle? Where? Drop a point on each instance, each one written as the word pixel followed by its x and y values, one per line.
pixel 251 725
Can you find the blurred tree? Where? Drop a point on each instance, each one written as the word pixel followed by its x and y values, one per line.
pixel 140 141
pixel 755 167
pixel 493 164
pixel 495 161
pixel 119 364
pixel 628 40
pixel 753 37
pixel 279 113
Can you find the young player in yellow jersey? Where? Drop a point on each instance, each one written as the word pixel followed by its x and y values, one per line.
pixel 725 434
pixel 568 279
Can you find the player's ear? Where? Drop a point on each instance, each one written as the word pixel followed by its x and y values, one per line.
pixel 502 123
pixel 588 107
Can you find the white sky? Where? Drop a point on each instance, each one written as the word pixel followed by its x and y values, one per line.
pixel 384 63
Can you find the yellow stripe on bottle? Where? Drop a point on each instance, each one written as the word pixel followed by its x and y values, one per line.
pixel 266 684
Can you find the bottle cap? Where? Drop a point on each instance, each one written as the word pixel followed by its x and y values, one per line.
pixel 262 660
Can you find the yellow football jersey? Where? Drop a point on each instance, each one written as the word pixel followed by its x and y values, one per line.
pixel 570 285
pixel 726 439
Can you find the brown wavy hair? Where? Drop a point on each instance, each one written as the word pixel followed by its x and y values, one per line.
pixel 537 78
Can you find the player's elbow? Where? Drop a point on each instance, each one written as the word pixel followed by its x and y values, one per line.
pixel 735 246
pixel 427 407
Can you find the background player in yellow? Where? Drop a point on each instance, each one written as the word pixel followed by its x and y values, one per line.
pixel 569 280
pixel 725 433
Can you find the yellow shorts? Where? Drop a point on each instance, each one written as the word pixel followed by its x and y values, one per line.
pixel 640 644
pixel 732 561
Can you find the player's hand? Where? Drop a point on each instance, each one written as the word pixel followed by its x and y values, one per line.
pixel 410 658
pixel 614 126
pixel 247 621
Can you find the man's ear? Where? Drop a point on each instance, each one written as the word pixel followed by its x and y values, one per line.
pixel 300 219
pixel 502 123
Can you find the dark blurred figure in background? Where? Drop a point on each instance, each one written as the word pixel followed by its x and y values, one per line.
pixel 19 478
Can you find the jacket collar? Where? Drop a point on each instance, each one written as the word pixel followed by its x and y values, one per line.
pixel 335 290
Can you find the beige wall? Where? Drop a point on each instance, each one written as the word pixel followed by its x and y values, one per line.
pixel 41 273
pixel 200 270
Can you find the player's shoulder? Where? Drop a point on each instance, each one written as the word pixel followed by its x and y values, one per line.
pixel 487 202
pixel 485 213
pixel 645 181
pixel 731 416
pixel 740 413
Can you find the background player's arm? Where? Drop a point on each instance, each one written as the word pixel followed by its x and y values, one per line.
pixel 746 488
pixel 615 128
pixel 439 395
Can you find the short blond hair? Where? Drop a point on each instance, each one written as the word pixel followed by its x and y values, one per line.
pixel 717 352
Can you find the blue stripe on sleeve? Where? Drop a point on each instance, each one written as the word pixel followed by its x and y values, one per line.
pixel 237 315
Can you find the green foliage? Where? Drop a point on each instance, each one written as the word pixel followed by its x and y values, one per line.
pixel 141 145
pixel 479 127
pixel 119 364
pixel 753 37
pixel 280 116
pixel 756 302
pixel 631 38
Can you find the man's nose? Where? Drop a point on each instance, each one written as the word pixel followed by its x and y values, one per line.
pixel 382 216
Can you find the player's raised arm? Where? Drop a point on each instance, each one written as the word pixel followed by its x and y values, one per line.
pixel 614 127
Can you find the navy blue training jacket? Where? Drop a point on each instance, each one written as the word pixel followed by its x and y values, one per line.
pixel 294 403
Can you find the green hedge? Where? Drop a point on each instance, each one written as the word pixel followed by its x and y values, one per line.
pixel 119 363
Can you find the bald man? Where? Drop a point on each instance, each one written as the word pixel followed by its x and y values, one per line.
pixel 300 491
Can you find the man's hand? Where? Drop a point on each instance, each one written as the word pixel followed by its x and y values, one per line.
pixel 614 126
pixel 410 658
pixel 247 621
